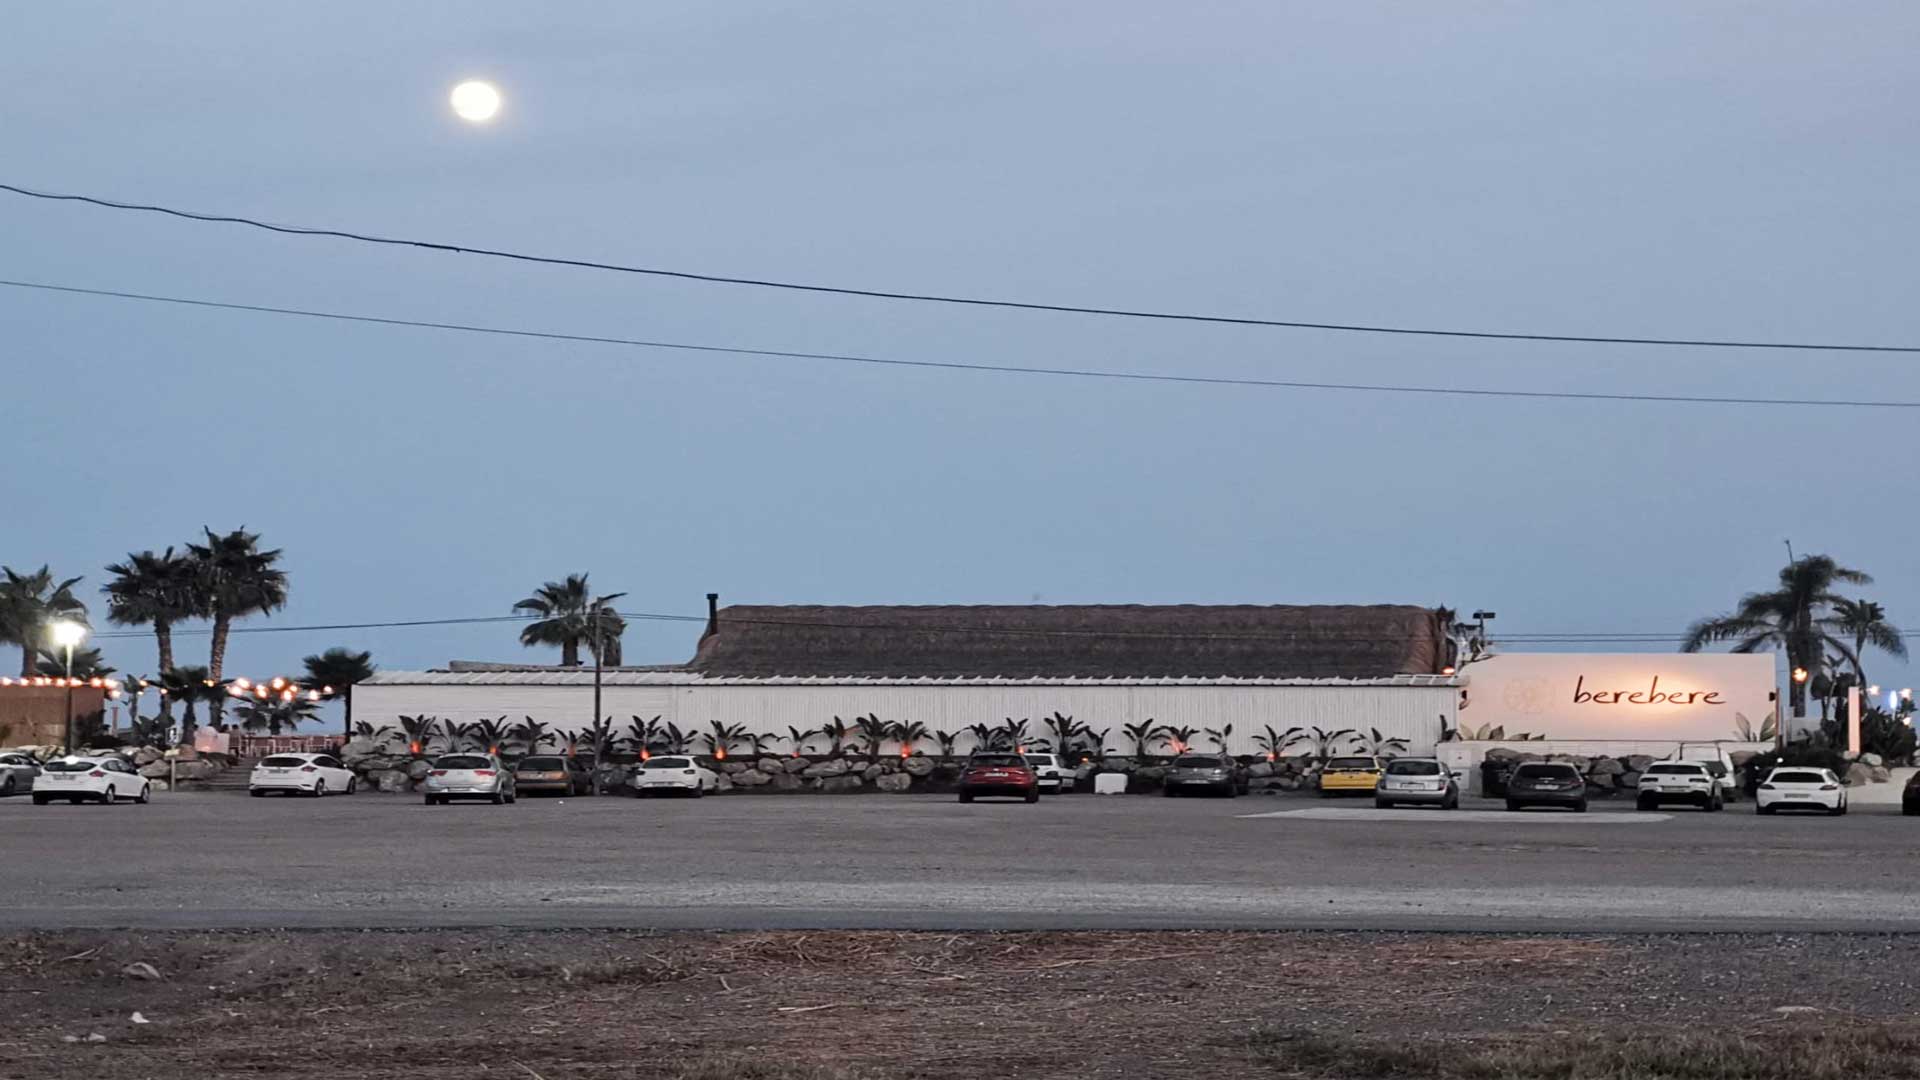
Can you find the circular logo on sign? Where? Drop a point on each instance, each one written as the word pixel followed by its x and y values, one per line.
pixel 1527 695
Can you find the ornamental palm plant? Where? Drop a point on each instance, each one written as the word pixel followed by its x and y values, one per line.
pixel 874 732
pixel 757 741
pixel 641 735
pixel 333 673
pixel 1795 617
pixel 1093 744
pixel 837 732
pixel 417 731
pixel 273 714
pixel 458 734
pixel 87 664
pixel 491 734
pixel 676 740
pixel 798 740
pixel 530 733
pixel 722 738
pixel 1064 730
pixel 570 616
pixel 1274 744
pixel 157 591
pixel 1014 735
pixel 1220 735
pixel 946 739
pixel 909 734
pixel 985 737
pixel 599 736
pixel 190 686
pixel 1180 739
pixel 28 602
pixel 1144 735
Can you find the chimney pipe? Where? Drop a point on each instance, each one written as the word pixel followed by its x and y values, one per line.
pixel 713 613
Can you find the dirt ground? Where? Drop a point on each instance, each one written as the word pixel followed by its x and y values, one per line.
pixel 563 1004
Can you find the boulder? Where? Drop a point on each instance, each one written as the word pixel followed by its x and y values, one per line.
pixel 918 766
pixel 754 778
pixel 1880 774
pixel 1858 774
pixel 417 769
pixel 1872 761
pixel 1637 763
pixel 146 755
pixel 159 785
pixel 1600 781
pixel 1606 766
pixel 894 782
pixel 1152 774
pixel 724 785
pixel 873 772
pixel 798 765
pixel 1117 763
pixel 197 770
pixel 771 765
pixel 734 768
pixel 1260 768
pixel 785 781
pixel 359 749
pixel 834 785
pixel 1288 783
pixel 1628 780
pixel 156 769
pixel 821 770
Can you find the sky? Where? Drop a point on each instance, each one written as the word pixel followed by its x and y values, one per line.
pixel 1731 170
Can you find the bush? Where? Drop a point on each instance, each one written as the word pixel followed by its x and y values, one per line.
pixel 1880 734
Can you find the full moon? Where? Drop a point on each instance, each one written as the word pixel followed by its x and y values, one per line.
pixel 475 101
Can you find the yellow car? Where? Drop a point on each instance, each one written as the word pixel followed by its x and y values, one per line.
pixel 1349 776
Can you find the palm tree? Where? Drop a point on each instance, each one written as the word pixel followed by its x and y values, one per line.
pixel 274 714
pixel 234 579
pixel 600 738
pixel 531 733
pixel 798 739
pixel 1181 738
pixel 1064 730
pixel 1275 743
pixel 189 686
pixel 723 738
pixel 909 733
pixel 571 616
pixel 946 739
pixel 640 736
pixel 1143 735
pixel 87 664
pixel 1867 623
pixel 417 732
pixel 873 731
pixel 153 590
pixel 837 731
pixel 28 602
pixel 333 674
pixel 492 734
pixel 1794 617
pixel 1220 735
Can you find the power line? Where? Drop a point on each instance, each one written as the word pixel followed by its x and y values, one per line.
pixel 1084 373
pixel 935 298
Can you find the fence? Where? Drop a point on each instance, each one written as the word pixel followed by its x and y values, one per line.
pixel 248 746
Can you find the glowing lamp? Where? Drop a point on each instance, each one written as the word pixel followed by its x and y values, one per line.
pixel 66 633
pixel 1800 674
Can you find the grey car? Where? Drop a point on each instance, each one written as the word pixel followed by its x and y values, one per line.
pixel 1417 781
pixel 1217 774
pixel 1546 783
pixel 17 772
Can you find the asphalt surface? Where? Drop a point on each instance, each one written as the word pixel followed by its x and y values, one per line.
pixel 220 860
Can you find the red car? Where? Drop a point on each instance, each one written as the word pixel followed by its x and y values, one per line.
pixel 999 774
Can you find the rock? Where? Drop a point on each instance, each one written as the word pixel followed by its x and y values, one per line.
pixel 1601 781
pixel 724 785
pixel 358 750
pixel 137 1018
pixel 95 1037
pixel 1606 766
pixel 1795 1010
pixel 734 768
pixel 1151 773
pixel 154 770
pixel 1260 768
pixel 1637 763
pixel 771 765
pixel 754 778
pixel 834 785
pixel 392 780
pixel 824 769
pixel 146 755
pixel 1880 774
pixel 872 773
pixel 798 765
pixel 1628 780
pixel 785 781
pixel 197 770
pixel 1858 774
pixel 918 766
pixel 417 769
pixel 140 969
pixel 894 782
pixel 1872 761
pixel 1288 783
pixel 1117 763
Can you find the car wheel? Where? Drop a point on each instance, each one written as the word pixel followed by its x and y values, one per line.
pixel 1232 792
pixel 1716 804
pixel 145 796
pixel 108 796
pixel 40 800
pixel 699 791
pixel 1838 810
pixel 1033 795
pixel 6 787
pixel 319 789
pixel 499 797
pixel 353 784
pixel 513 796
pixel 965 795
pixel 1451 802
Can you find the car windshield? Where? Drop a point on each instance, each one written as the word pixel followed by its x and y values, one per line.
pixel 542 763
pixel 1413 768
pixel 1197 763
pixel 668 763
pixel 999 761
pixel 69 766
pixel 463 761
pixel 1041 759
pixel 1796 778
pixel 1350 763
pixel 1675 770
pixel 1545 772
pixel 283 763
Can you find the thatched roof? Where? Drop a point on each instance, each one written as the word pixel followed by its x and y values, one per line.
pixel 1103 641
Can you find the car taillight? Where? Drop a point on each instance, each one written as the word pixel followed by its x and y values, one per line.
pixel 308 768
pixel 1829 787
pixel 438 772
pixel 96 774
pixel 483 772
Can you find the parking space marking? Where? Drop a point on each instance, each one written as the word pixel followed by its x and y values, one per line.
pixel 1354 813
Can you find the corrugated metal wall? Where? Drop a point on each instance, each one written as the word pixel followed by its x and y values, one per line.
pixel 1411 713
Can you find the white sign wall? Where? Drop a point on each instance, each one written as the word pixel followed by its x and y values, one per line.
pixel 1620 695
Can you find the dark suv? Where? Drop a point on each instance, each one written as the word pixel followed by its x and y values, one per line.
pixel 1545 783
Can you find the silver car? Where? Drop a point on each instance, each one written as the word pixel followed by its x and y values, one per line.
pixel 469 776
pixel 1218 774
pixel 17 772
pixel 1417 781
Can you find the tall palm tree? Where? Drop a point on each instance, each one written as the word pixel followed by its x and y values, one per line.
pixel 274 714
pixel 87 664
pixel 571 616
pixel 1794 617
pixel 233 579
pixel 153 590
pixel 190 686
pixel 28 602
pixel 333 674
pixel 1866 622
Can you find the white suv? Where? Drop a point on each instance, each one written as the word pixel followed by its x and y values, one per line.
pixel 1680 781
pixel 1051 773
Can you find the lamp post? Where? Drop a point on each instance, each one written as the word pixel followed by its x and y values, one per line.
pixel 66 634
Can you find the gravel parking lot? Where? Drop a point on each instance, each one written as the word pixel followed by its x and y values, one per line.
pixel 910 862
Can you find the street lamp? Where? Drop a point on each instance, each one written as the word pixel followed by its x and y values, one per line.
pixel 67 634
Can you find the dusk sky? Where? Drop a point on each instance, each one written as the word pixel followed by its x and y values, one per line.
pixel 1708 170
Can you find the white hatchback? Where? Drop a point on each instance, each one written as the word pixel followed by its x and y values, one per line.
pixel 676 774
pixel 1800 788
pixel 1051 772
pixel 306 774
pixel 469 776
pixel 89 779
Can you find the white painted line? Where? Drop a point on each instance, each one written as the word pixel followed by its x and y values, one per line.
pixel 1564 817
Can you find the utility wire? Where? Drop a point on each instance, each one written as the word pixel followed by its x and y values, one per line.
pixel 934 298
pixel 1083 373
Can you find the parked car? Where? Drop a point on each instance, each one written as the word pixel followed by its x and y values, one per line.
pixel 17 772
pixel 1422 781
pixel 676 774
pixel 1799 787
pixel 1215 773
pixel 469 776
pixel 1547 783
pixel 317 775
pixel 1910 796
pixel 1055 776
pixel 1349 776
pixel 552 774
pixel 999 774
pixel 1688 782
pixel 89 779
